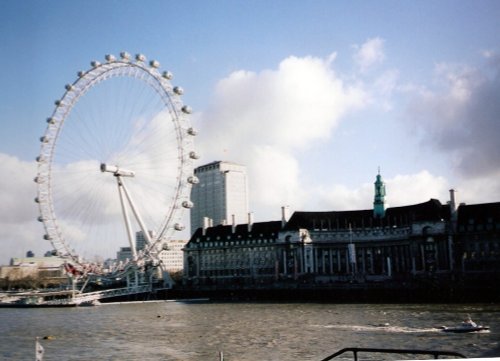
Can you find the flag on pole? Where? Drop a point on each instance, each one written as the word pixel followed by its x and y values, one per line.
pixel 38 351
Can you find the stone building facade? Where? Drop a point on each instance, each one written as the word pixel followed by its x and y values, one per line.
pixel 429 239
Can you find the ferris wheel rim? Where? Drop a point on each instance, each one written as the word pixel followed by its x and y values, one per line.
pixel 170 95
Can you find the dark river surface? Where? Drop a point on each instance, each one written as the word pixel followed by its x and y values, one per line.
pixel 242 331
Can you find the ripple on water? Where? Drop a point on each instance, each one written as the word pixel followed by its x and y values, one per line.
pixel 243 331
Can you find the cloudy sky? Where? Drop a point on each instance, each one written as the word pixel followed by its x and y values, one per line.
pixel 313 97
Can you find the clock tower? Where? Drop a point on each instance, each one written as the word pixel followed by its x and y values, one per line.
pixel 379 201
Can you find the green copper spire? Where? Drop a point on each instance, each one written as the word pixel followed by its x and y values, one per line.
pixel 379 201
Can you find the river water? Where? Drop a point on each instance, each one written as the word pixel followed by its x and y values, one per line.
pixel 242 331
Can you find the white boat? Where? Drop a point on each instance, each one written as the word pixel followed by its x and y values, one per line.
pixel 466 326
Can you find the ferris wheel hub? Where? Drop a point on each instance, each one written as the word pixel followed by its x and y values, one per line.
pixel 116 170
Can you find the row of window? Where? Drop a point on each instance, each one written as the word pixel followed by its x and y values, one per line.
pixel 479 227
pixel 232 243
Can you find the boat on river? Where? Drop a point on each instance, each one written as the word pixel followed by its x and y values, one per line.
pixel 466 326
pixel 465 329
pixel 53 298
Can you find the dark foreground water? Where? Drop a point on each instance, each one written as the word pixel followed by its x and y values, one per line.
pixel 242 331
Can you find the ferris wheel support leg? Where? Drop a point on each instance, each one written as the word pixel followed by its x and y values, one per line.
pixel 145 232
pixel 126 218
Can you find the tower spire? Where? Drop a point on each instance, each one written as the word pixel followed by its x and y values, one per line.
pixel 379 200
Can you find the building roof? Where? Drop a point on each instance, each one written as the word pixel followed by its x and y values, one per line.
pixel 52 261
pixel 216 163
pixel 479 213
pixel 270 228
pixel 431 210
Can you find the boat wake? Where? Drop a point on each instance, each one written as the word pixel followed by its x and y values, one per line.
pixel 383 328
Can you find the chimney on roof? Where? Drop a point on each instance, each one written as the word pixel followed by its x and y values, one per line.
pixel 205 225
pixel 453 205
pixel 250 221
pixel 284 216
pixel 233 223
pixel 453 209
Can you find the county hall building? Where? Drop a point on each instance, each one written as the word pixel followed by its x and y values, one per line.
pixel 362 246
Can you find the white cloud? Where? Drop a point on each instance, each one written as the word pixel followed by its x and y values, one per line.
pixel 488 53
pixel 300 101
pixel 263 119
pixel 17 189
pixel 369 53
pixel 479 189
pixel 384 87
pixel 416 188
pixel 19 229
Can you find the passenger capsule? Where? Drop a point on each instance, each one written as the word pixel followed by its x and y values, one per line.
pixel 68 87
pixel 110 57
pixel 193 155
pixel 44 139
pixel 47 237
pixel 95 63
pixel 51 120
pixel 140 57
pixel 167 75
pixel 124 55
pixel 40 219
pixel 178 90
pixel 58 102
pixel 187 204
pixel 80 73
pixel 36 178
pixel 154 64
pixel 187 109
pixel 192 131
pixel 193 179
pixel 37 200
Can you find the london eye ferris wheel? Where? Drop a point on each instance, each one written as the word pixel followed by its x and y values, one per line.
pixel 116 159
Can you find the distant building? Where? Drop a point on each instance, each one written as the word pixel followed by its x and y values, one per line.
pixel 124 254
pixel 48 270
pixel 221 196
pixel 477 239
pixel 173 257
pixel 140 240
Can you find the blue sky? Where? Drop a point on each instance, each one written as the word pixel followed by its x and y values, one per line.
pixel 312 96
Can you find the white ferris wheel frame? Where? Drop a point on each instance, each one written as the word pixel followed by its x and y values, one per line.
pixel 149 73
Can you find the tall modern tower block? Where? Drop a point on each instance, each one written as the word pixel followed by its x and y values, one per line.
pixel 221 195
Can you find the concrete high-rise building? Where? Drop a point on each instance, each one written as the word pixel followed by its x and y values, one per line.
pixel 221 195
pixel 140 240
pixel 172 257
